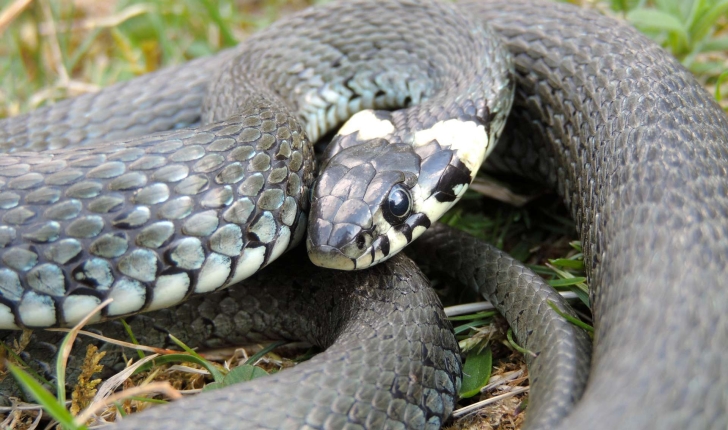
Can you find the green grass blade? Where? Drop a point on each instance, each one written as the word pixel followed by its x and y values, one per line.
pixel 582 295
pixel 671 6
pixel 479 315
pixel 566 275
pixel 49 403
pixel 61 367
pixel 518 347
pixel 183 358
pixel 568 263
pixel 566 282
pixel 657 20
pixel 120 410
pixel 626 5
pixel 690 11
pixel 703 25
pixel 196 358
pixel 577 322
pixel 717 44
pixel 16 357
pixel 472 324
pixel 148 400
pixel 79 52
pixel 184 346
pixel 133 338
pixel 258 355
pixel 225 31
pixel 721 79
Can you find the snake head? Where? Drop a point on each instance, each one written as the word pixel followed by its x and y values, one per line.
pixel 374 196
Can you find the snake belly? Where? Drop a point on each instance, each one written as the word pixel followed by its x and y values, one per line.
pixel 151 221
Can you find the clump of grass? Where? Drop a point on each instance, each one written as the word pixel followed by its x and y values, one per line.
pixel 88 401
pixel 54 50
pixel 694 31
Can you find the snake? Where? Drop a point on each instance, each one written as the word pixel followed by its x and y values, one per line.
pixel 627 137
pixel 156 219
pixel 417 389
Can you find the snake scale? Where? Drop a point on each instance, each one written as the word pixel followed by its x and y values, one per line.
pixel 625 135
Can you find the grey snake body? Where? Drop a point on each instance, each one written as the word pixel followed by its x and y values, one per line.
pixel 276 305
pixel 638 151
pixel 153 220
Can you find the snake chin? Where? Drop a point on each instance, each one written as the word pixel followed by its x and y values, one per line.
pixel 347 258
pixel 329 257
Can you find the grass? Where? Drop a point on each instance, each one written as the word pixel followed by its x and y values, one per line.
pixel 54 50
pixel 687 28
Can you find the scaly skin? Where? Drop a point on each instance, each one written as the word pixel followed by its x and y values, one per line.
pixel 558 372
pixel 358 315
pixel 152 221
pixel 638 151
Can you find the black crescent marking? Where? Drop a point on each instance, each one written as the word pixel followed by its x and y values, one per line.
pixel 452 176
pixel 384 245
pixel 419 220
pixel 406 230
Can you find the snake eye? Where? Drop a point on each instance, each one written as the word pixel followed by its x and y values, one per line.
pixel 399 204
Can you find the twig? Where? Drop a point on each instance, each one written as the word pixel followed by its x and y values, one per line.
pixel 55 46
pixel 471 308
pixel 115 381
pixel 475 406
pixel 155 387
pixel 120 342
pixel 97 22
pixel 67 344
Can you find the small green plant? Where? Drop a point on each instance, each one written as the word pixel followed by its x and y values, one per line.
pixel 687 28
pixel 476 372
pixel 51 405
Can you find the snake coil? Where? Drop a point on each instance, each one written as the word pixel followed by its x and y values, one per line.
pixel 634 145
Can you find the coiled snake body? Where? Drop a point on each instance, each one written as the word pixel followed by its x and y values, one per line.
pixel 624 133
pixel 154 220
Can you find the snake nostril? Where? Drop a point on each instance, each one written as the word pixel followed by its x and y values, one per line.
pixel 361 241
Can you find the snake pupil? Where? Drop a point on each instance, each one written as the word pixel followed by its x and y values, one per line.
pixel 399 202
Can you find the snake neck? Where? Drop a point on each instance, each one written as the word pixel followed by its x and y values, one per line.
pixel 387 176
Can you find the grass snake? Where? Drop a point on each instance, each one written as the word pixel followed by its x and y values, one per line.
pixel 153 220
pixel 397 306
pixel 622 131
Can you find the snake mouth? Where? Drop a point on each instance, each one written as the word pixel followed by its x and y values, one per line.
pixel 329 257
